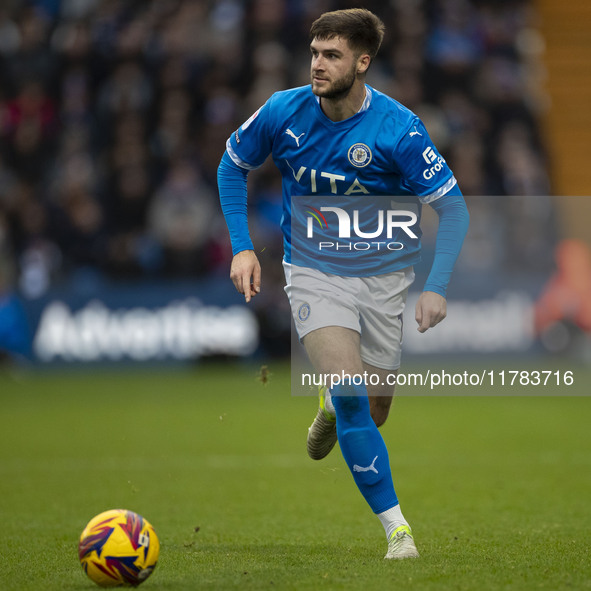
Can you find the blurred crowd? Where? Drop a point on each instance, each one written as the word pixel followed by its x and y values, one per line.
pixel 114 115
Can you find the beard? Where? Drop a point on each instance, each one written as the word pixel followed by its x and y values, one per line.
pixel 340 88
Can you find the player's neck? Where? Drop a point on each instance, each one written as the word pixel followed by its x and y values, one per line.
pixel 344 107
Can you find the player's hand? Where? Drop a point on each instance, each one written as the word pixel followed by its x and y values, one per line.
pixel 245 273
pixel 431 309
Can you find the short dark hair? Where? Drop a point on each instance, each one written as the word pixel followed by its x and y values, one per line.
pixel 362 29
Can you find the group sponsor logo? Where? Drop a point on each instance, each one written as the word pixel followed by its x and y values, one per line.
pixel 430 157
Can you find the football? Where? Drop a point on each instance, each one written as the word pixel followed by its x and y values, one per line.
pixel 118 548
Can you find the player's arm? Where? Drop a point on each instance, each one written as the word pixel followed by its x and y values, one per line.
pixel 245 271
pixel 246 149
pixel 451 208
pixel 427 175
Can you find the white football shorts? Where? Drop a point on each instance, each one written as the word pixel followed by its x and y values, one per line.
pixel 372 306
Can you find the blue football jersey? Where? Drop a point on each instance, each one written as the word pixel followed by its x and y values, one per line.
pixel 383 150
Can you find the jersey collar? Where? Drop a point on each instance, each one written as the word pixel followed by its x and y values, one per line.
pixel 364 105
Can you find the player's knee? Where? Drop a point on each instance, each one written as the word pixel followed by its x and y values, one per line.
pixel 380 408
pixel 379 416
pixel 350 408
pixel 379 413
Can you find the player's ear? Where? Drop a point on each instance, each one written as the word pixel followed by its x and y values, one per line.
pixel 363 62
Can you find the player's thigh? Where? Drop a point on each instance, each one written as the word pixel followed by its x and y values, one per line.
pixel 326 318
pixel 380 382
pixel 334 350
pixel 381 317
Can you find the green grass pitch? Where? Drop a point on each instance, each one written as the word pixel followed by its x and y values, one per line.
pixel 497 489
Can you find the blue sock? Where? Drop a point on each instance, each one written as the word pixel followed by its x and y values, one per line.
pixel 363 447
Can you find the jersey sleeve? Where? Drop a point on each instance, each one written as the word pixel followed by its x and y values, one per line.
pixel 453 225
pixel 425 173
pixel 251 143
pixel 233 198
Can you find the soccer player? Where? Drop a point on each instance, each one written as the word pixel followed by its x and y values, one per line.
pixel 340 137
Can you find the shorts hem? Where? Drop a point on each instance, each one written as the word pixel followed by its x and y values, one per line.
pixel 302 334
pixel 380 365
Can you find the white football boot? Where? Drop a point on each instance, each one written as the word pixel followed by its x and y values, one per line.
pixel 401 544
pixel 322 434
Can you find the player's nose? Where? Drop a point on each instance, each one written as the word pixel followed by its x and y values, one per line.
pixel 317 63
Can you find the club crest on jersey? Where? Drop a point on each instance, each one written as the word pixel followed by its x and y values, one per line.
pixel 359 155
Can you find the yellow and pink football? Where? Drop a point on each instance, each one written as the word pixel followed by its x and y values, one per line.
pixel 118 548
